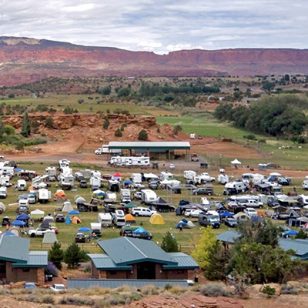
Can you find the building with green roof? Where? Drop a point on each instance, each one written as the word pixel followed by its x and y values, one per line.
pixel 131 258
pixel 17 263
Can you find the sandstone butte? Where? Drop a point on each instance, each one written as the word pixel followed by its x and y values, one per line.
pixel 24 60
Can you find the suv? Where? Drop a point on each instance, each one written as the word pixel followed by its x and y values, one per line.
pixel 142 211
pixel 80 238
pixel 59 218
pixel 203 191
pixel 83 183
pixel 58 288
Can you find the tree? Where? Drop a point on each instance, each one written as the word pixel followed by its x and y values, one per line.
pixel 118 133
pixel 177 129
pixel 25 128
pixel 143 135
pixel 218 258
pixel 106 123
pixel 74 255
pixel 169 243
pixel 56 255
pixel 202 249
pixel 105 90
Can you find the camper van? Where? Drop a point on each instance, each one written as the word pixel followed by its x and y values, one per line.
pixel 305 183
pixel 5 181
pixel 44 195
pixel 21 185
pixel 3 192
pixel 96 228
pixel 66 181
pixel 125 195
pixel 105 219
pixel 234 188
pixel 95 183
pixel 130 161
pixel 254 178
pixel 119 218
pixel 111 197
pixel 51 172
pixel 148 196
pixel 222 178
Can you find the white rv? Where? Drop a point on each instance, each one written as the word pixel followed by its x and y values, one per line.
pixel 51 172
pixel 44 195
pixel 111 197
pixel 148 196
pixel 95 182
pixel 66 181
pixel 21 185
pixel 3 192
pixel 105 219
pixel 125 195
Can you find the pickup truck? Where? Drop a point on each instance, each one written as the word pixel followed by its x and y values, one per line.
pixel 38 232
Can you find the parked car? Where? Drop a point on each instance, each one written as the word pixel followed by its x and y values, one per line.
pixel 142 211
pixel 193 213
pixel 59 218
pixel 207 220
pixel 83 184
pixel 29 285
pixel 154 184
pixel 80 238
pixel 38 232
pixel 203 191
pixel 58 288
pixel 250 212
pixel 231 222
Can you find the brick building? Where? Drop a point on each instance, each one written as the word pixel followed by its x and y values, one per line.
pixel 131 258
pixel 17 263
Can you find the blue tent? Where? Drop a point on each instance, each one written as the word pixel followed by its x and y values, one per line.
pixel 18 223
pixel 128 182
pixel 74 212
pixel 22 216
pixel 84 229
pixel 68 220
pixel 225 214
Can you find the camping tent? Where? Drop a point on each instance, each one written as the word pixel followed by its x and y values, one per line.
pixel 99 194
pixel 129 218
pixel 23 216
pixel 67 207
pixel 49 237
pixel 241 216
pixel 37 214
pixel 60 194
pixel 18 223
pixel 129 205
pixel 157 219
pixel 76 220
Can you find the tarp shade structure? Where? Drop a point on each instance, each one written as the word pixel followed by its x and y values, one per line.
pixel 84 229
pixel 22 216
pixel 18 223
pixel 236 162
pixel 128 182
pixel 129 218
pixel 74 212
pixel 37 214
pixel 157 219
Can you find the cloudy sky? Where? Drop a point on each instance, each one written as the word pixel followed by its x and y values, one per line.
pixel 160 25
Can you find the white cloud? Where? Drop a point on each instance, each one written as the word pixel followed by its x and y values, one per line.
pixel 160 25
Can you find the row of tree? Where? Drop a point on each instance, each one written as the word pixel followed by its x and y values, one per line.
pixel 255 257
pixel 273 117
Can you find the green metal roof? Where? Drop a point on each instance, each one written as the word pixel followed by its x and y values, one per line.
pixel 102 261
pixel 300 246
pixel 35 259
pixel 150 145
pixel 125 251
pixel 183 261
pixel 14 248
pixel 229 236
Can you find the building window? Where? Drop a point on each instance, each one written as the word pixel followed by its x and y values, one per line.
pixel 26 270
pixel 113 272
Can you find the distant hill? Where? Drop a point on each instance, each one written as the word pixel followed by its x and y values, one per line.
pixel 24 60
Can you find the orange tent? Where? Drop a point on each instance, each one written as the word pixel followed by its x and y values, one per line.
pixel 129 218
pixel 76 220
pixel 60 194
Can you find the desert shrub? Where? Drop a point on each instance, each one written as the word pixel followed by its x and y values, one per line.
pixel 118 133
pixel 76 300
pixel 49 122
pixel 150 290
pixel 250 137
pixel 48 299
pixel 143 135
pixel 268 290
pixel 214 290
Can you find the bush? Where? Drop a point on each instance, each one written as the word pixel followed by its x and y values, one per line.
pixel 250 137
pixel 118 133
pixel 143 135
pixel 269 291
pixel 49 122
pixel 214 290
pixel 106 124
pixel 77 301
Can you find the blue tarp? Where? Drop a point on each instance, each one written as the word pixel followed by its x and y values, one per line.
pixel 74 212
pixel 290 233
pixel 68 220
pixel 18 223
pixel 84 229
pixel 22 216
pixel 225 214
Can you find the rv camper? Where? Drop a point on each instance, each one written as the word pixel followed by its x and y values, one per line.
pixel 148 196
pixel 105 219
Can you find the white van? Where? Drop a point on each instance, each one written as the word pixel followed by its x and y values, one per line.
pixel 105 219
pixel 125 195
pixel 3 192
pixel 44 195
pixel 21 185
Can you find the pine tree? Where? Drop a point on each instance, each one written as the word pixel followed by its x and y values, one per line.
pixel 56 255
pixel 26 128
pixel 169 243
pixel 74 255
